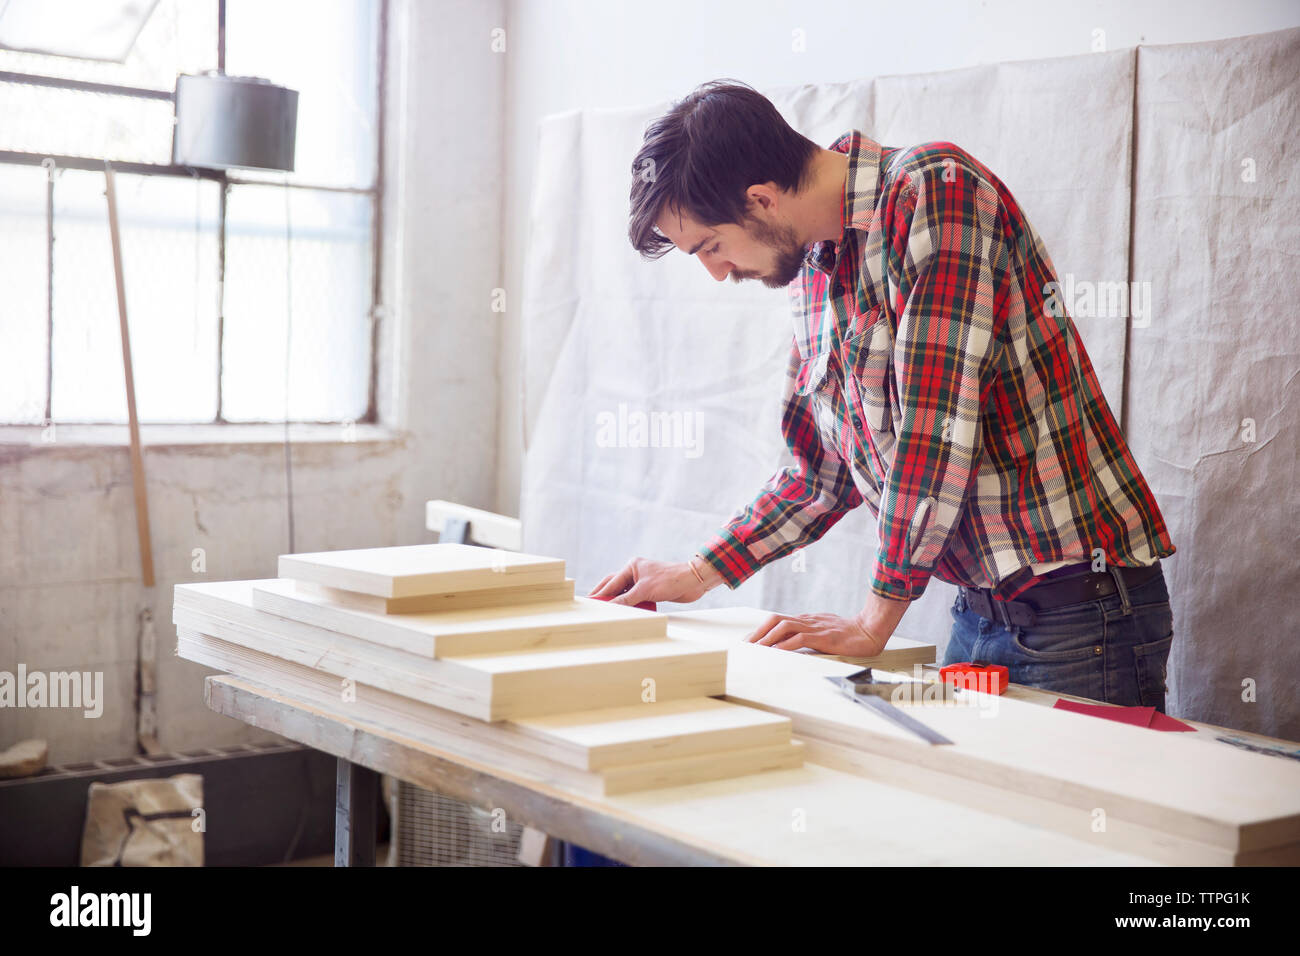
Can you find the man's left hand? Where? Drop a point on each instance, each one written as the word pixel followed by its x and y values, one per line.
pixel 863 635
pixel 828 633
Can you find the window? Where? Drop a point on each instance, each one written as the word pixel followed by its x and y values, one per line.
pixel 251 295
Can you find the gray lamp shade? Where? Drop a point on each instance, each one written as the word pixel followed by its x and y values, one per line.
pixel 230 122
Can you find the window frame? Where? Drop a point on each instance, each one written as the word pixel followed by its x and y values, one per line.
pixel 224 180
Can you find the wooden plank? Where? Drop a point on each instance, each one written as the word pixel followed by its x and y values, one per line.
pixel 491 741
pixel 640 733
pixel 1201 730
pixel 1206 793
pixel 1079 824
pixel 585 740
pixel 442 685
pixel 535 683
pixel 133 421
pixel 599 739
pixel 485 527
pixel 812 816
pixel 450 601
pixel 700 768
pixel 421 569
pixel 731 625
pixel 899 654
pixel 475 631
pixel 487 686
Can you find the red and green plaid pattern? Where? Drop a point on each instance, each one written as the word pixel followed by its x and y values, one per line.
pixel 930 379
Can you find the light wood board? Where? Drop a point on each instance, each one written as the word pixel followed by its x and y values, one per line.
pixel 811 816
pixel 475 631
pixel 731 625
pixel 488 686
pixel 503 744
pixel 1243 802
pixel 421 569
pixel 449 601
pixel 595 740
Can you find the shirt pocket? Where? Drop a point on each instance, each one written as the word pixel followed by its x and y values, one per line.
pixel 869 356
pixel 820 381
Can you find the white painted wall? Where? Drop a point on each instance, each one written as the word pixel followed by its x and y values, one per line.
pixel 571 54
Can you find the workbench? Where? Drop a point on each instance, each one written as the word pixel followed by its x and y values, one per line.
pixel 829 812
pixel 811 816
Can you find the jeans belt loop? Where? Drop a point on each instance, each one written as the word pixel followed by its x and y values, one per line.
pixel 1117 573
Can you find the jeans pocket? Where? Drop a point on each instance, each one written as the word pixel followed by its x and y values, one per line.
pixel 1151 662
pixel 1073 633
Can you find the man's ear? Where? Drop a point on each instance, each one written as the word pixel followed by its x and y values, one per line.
pixel 764 196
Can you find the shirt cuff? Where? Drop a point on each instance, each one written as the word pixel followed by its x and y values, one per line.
pixel 898 584
pixel 728 556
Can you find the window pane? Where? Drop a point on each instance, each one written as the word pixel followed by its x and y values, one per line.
pixel 331 255
pixel 169 259
pixel 180 36
pixel 331 62
pixel 40 119
pixel 23 310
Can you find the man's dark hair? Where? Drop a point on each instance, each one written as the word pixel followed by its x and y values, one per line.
pixel 701 156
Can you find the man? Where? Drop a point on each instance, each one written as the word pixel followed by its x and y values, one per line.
pixel 937 377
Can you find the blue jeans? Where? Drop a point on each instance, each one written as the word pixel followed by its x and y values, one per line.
pixel 1108 649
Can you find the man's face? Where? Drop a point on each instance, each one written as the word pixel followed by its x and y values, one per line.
pixel 758 249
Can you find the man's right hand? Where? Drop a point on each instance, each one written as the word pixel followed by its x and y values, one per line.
pixel 644 580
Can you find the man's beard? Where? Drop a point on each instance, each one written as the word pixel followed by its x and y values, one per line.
pixel 789 253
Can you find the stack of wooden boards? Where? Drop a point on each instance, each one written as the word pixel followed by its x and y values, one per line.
pixel 490 654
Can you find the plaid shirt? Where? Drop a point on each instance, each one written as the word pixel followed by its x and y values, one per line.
pixel 937 377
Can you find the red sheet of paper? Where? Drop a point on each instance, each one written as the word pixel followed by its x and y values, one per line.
pixel 1137 716
pixel 1161 721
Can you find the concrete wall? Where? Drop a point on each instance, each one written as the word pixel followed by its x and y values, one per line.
pixel 70 592
pixel 584 54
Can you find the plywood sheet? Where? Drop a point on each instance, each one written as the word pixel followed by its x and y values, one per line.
pixel 1188 788
pixel 473 631
pixel 421 569
pixel 499 743
pixel 489 686
pixel 533 683
pixel 674 728
pixel 731 625
pixel 447 601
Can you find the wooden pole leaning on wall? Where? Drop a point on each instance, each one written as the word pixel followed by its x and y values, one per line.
pixel 137 459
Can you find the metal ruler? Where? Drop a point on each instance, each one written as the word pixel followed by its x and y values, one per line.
pixel 864 689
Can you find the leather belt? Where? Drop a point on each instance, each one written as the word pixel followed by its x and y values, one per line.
pixel 1060 589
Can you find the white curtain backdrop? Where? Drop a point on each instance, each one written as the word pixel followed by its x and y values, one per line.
pixel 651 393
